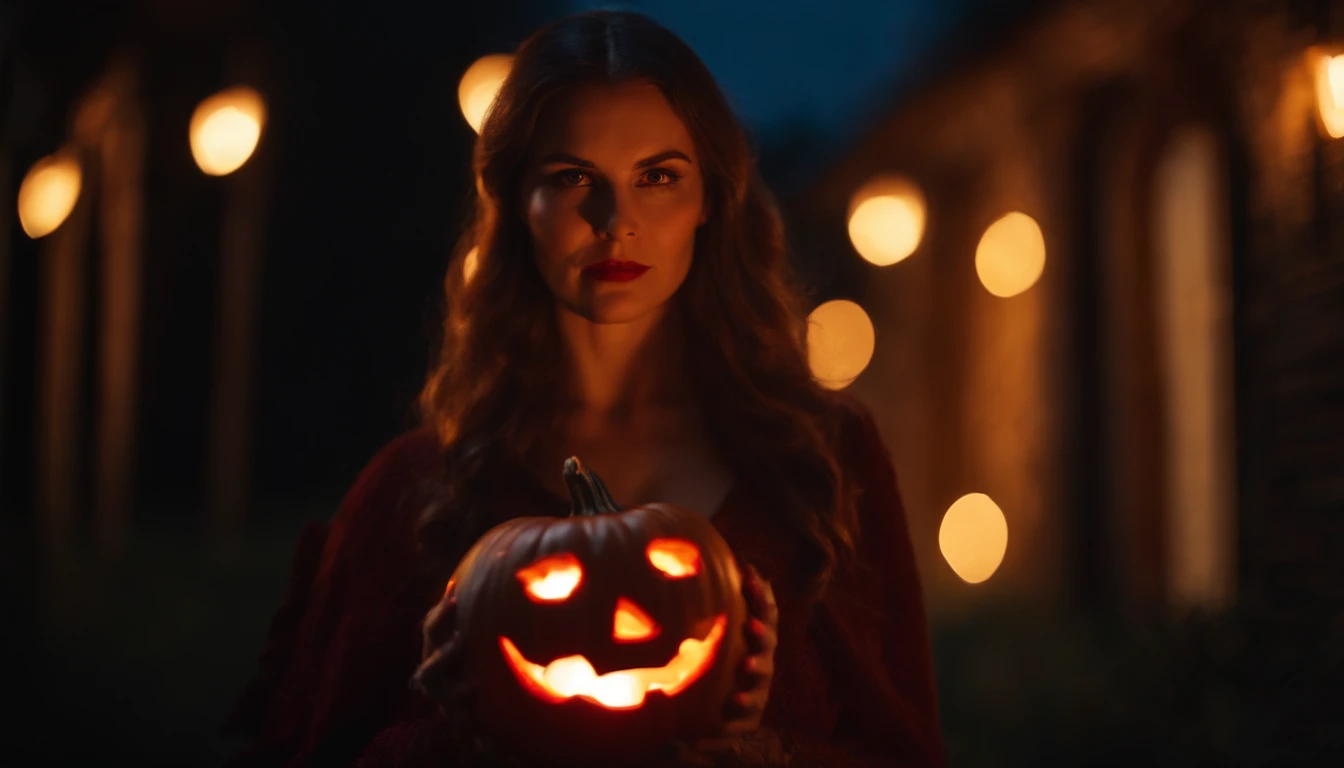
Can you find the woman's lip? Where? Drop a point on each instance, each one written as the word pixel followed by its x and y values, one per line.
pixel 615 271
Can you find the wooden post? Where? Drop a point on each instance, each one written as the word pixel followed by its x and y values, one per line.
pixel 61 425
pixel 229 474
pixel 60 374
pixel 8 74
pixel 6 216
pixel 121 151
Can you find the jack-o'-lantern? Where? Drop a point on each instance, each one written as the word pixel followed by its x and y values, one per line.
pixel 603 635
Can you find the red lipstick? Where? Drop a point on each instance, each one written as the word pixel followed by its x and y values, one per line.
pixel 615 271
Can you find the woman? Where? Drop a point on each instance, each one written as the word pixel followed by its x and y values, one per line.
pixel 631 304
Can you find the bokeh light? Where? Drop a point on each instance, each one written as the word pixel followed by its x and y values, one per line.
pixel 974 537
pixel 479 85
pixel 48 194
pixel 225 129
pixel 1011 255
pixel 840 342
pixel 886 220
pixel 1330 93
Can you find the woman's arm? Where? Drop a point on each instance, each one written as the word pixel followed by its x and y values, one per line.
pixel 885 683
pixel 331 672
pixel 853 682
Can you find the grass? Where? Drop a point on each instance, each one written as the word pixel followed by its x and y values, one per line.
pixel 138 659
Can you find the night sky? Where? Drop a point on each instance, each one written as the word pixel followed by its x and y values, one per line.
pixel 796 61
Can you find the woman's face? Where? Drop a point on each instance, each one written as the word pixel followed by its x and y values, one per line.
pixel 613 195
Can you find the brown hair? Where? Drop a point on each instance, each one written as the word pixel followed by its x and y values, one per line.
pixel 491 391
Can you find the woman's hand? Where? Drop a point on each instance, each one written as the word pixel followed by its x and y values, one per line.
pixel 439 676
pixel 742 714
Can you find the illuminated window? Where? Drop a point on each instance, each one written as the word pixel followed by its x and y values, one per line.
pixel 1192 301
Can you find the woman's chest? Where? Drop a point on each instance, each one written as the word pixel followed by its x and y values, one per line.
pixel 683 470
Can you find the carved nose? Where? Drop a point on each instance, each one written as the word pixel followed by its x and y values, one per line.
pixel 631 624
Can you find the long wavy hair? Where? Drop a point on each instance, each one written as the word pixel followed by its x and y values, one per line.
pixel 491 391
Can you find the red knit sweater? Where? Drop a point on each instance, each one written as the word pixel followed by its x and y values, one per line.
pixel 853 683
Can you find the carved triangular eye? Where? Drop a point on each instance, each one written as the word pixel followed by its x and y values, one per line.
pixel 551 579
pixel 632 624
pixel 676 558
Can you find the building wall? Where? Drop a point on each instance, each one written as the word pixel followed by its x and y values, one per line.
pixel 1052 402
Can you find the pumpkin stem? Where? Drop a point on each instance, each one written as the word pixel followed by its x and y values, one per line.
pixel 588 495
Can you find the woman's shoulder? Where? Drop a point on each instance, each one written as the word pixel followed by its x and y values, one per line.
pixel 357 564
pixel 862 451
pixel 402 470
pixel 853 427
pixel 413 453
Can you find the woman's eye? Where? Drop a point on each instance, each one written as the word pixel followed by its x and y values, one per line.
pixel 570 178
pixel 660 177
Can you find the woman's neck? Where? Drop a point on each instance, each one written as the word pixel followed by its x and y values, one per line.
pixel 620 370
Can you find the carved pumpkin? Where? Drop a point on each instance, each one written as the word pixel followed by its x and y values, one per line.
pixel 602 635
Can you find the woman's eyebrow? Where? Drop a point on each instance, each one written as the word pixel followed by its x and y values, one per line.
pixel 564 157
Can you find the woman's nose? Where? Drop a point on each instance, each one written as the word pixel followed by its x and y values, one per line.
pixel 611 213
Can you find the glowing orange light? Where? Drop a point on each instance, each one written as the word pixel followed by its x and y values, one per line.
pixel 551 579
pixel 1330 93
pixel 674 557
pixel 886 219
pixel 48 194
pixel 449 589
pixel 572 676
pixel 632 624
pixel 840 342
pixel 476 92
pixel 225 129
pixel 974 537
pixel 1011 255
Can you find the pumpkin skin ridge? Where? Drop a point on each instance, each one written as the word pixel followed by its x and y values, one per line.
pixel 468 593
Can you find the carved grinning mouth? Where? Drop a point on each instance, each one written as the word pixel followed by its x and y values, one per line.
pixel 571 676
